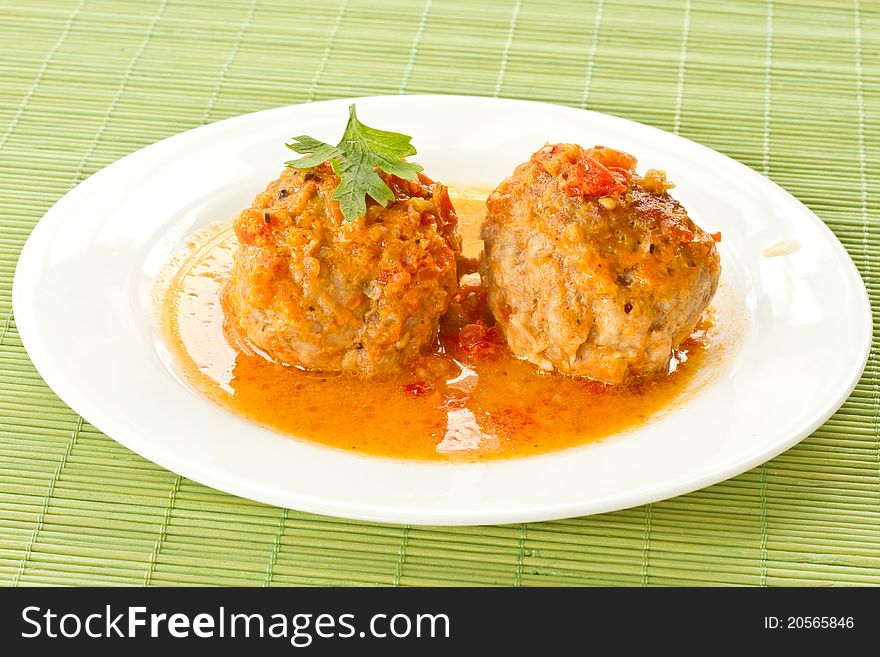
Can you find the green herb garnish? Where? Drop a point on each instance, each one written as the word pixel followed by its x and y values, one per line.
pixel 355 159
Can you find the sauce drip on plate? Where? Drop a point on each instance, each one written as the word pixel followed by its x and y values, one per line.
pixel 455 404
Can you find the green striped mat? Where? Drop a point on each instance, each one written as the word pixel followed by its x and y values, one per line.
pixel 789 88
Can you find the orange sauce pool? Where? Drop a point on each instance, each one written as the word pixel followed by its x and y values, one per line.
pixel 452 407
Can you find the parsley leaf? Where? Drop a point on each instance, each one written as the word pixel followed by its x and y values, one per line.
pixel 358 156
pixel 320 152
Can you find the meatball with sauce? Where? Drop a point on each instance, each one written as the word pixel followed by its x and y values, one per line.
pixel 362 297
pixel 591 269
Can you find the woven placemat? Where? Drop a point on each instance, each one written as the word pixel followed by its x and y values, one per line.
pixel 791 89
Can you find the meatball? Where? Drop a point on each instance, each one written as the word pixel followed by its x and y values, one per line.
pixel 362 297
pixel 592 270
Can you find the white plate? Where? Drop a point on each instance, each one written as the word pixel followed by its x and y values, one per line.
pixel 798 326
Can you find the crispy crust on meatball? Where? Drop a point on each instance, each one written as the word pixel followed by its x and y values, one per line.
pixel 593 270
pixel 362 297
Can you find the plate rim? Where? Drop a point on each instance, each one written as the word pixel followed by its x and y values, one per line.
pixel 66 389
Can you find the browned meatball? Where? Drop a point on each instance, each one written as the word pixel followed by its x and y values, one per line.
pixel 362 297
pixel 591 269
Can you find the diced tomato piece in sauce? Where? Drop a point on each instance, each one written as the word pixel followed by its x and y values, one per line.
pixel 585 173
pixel 478 341
pixel 417 388
pixel 612 158
pixel 593 179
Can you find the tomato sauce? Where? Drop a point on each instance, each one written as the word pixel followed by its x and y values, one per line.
pixel 469 400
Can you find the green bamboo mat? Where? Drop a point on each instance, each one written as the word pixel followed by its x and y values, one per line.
pixel 789 88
